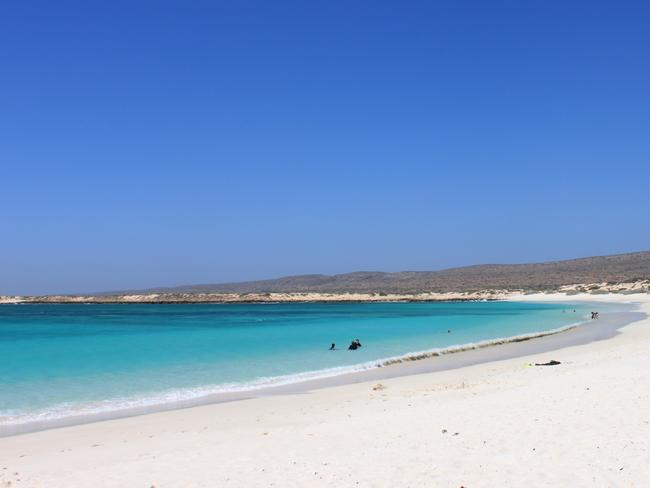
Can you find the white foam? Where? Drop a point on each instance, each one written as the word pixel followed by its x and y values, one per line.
pixel 174 397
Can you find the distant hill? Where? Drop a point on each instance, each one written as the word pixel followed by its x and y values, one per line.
pixel 537 276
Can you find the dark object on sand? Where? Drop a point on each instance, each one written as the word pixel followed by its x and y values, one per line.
pixel 550 363
pixel 332 347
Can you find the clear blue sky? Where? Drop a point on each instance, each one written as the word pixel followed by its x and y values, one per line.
pixel 163 143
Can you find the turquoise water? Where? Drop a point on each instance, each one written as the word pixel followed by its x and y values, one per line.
pixel 56 360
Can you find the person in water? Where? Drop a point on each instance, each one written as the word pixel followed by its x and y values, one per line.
pixel 354 345
pixel 333 346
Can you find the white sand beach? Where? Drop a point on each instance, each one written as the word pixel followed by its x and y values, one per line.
pixel 585 422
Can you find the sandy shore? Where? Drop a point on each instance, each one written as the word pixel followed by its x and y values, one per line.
pixel 624 288
pixel 585 422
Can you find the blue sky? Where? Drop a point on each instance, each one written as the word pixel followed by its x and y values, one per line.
pixel 164 143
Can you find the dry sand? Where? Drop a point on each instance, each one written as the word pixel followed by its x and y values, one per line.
pixel 585 422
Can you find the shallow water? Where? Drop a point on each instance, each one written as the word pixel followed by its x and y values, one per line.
pixel 63 359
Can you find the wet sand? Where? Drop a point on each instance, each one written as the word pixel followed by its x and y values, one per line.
pixel 584 422
pixel 606 327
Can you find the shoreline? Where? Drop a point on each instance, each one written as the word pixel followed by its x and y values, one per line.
pixel 413 363
pixel 484 294
pixel 584 422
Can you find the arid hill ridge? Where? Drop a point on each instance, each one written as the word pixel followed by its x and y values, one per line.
pixel 538 276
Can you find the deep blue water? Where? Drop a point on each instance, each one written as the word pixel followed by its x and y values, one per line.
pixel 57 359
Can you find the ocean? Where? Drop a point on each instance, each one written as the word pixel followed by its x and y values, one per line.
pixel 59 360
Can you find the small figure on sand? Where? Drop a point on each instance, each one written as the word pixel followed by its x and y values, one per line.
pixel 594 315
pixel 332 347
pixel 354 345
pixel 550 363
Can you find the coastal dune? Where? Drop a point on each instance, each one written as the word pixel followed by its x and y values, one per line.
pixel 585 422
